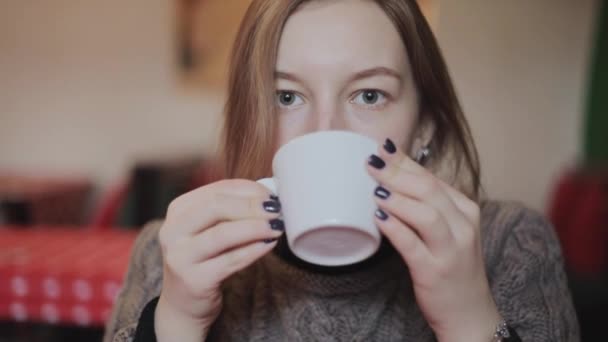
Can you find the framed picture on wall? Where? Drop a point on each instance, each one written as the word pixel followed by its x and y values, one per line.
pixel 206 30
pixel 430 8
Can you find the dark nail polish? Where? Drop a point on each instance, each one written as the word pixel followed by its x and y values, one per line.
pixel 389 146
pixel 381 214
pixel 382 192
pixel 274 198
pixel 270 240
pixel 277 224
pixel 376 162
pixel 272 206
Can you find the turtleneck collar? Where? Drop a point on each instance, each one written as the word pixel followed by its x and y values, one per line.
pixel 286 269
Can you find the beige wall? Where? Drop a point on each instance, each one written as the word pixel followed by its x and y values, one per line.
pixel 520 69
pixel 87 85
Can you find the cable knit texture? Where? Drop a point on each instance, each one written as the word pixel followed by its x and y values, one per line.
pixel 273 300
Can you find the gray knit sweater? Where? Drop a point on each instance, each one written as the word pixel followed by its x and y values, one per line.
pixel 273 300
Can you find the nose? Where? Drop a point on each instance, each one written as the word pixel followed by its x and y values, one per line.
pixel 330 117
pixel 330 121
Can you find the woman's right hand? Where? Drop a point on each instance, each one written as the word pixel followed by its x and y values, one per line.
pixel 209 234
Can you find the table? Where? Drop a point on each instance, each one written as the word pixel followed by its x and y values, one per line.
pixel 61 275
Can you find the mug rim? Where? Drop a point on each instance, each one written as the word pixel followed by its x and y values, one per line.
pixel 281 149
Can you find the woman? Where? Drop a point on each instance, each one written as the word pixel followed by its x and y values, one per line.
pixel 452 268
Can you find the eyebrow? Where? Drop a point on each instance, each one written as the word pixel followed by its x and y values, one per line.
pixel 377 71
pixel 286 76
pixel 367 73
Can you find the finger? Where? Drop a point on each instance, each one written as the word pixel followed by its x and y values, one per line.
pixel 235 187
pixel 424 187
pixel 226 264
pixel 460 200
pixel 229 235
pixel 229 187
pixel 218 207
pixel 405 240
pixel 426 220
pixel 463 202
pixel 391 153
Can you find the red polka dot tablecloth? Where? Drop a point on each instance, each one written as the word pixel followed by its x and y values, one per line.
pixel 61 276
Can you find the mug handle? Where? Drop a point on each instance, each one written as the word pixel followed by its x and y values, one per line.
pixel 270 183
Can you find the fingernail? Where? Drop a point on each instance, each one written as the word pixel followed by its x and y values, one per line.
pixel 277 224
pixel 381 214
pixel 389 146
pixel 382 192
pixel 274 198
pixel 270 240
pixel 272 206
pixel 376 162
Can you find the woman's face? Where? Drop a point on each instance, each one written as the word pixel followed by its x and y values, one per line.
pixel 342 66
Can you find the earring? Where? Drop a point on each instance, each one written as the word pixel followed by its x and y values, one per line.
pixel 423 155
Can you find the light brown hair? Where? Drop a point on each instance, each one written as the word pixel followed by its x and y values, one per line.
pixel 250 112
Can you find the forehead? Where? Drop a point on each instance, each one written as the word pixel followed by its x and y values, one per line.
pixel 350 33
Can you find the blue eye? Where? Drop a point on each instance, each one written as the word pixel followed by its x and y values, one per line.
pixel 288 98
pixel 370 97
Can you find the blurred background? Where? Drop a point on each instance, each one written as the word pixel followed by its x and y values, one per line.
pixel 109 109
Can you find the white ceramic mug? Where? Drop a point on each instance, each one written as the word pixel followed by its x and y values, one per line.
pixel 327 197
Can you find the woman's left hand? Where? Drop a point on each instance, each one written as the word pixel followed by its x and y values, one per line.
pixel 436 229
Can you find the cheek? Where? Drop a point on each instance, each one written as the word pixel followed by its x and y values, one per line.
pixel 396 125
pixel 291 126
pixel 393 123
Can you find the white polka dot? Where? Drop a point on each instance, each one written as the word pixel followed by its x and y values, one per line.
pixel 49 313
pixel 81 315
pixel 82 289
pixel 19 312
pixel 51 287
pixel 110 290
pixel 20 286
